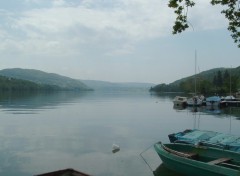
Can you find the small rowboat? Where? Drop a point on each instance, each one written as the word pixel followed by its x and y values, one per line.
pixel 198 161
pixel 64 172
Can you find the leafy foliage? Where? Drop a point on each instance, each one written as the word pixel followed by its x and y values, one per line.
pixel 181 10
pixel 231 12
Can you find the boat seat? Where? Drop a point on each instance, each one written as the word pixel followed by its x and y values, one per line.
pixel 219 160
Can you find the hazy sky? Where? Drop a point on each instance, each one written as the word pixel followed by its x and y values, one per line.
pixel 113 40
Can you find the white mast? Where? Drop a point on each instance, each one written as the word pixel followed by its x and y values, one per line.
pixel 195 71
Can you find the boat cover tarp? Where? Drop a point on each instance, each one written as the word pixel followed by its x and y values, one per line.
pixel 209 138
pixel 213 98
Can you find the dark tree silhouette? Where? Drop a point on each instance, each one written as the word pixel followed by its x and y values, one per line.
pixel 231 12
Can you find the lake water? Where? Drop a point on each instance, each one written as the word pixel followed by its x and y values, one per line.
pixel 51 131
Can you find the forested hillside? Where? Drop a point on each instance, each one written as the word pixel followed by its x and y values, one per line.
pixel 12 84
pixel 42 78
pixel 218 80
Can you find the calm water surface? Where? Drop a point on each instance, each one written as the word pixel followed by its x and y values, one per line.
pixel 50 131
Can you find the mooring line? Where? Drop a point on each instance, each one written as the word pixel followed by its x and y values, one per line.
pixel 145 159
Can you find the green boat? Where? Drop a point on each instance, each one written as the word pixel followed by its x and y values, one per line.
pixel 198 160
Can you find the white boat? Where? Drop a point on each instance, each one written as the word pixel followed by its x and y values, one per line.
pixel 228 98
pixel 180 101
pixel 213 101
pixel 230 101
pixel 195 101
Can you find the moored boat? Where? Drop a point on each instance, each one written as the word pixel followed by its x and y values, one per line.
pixel 180 101
pixel 213 101
pixel 230 101
pixel 198 161
pixel 195 101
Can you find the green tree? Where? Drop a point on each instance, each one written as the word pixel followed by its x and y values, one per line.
pixel 231 12
pixel 219 79
pixel 215 80
pixel 234 83
pixel 226 75
pixel 205 87
pixel 226 81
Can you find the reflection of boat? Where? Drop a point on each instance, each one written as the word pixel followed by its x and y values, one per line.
pixel 194 108
pixel 180 101
pixel 212 110
pixel 161 170
pixel 207 138
pixel 64 172
pixel 213 101
pixel 198 161
pixel 178 107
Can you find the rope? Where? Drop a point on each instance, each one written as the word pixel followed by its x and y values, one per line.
pixel 145 159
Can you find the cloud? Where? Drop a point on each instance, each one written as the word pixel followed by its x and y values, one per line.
pixel 49 29
pixel 59 2
pixel 112 27
pixel 137 19
pixel 204 16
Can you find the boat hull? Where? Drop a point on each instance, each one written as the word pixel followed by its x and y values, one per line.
pixel 213 101
pixel 180 101
pixel 196 167
pixel 186 168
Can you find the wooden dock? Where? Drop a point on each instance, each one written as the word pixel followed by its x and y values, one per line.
pixel 234 103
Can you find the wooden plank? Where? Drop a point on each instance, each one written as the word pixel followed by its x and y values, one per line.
pixel 232 165
pixel 219 160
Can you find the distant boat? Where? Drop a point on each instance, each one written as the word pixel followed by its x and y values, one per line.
pixel 230 101
pixel 195 101
pixel 213 101
pixel 198 161
pixel 180 101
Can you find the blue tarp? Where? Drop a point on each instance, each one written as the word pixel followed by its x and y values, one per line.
pixel 209 138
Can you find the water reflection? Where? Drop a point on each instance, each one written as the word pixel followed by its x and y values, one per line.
pixel 32 102
pixel 178 107
pixel 208 110
pixel 163 171
pixel 77 130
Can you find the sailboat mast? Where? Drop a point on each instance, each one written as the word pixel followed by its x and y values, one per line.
pixel 230 86
pixel 195 72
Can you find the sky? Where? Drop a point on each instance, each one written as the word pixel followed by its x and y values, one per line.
pixel 113 40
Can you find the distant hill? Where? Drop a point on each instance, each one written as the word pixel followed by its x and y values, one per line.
pixel 104 85
pixel 209 74
pixel 43 78
pixel 206 82
pixel 12 84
